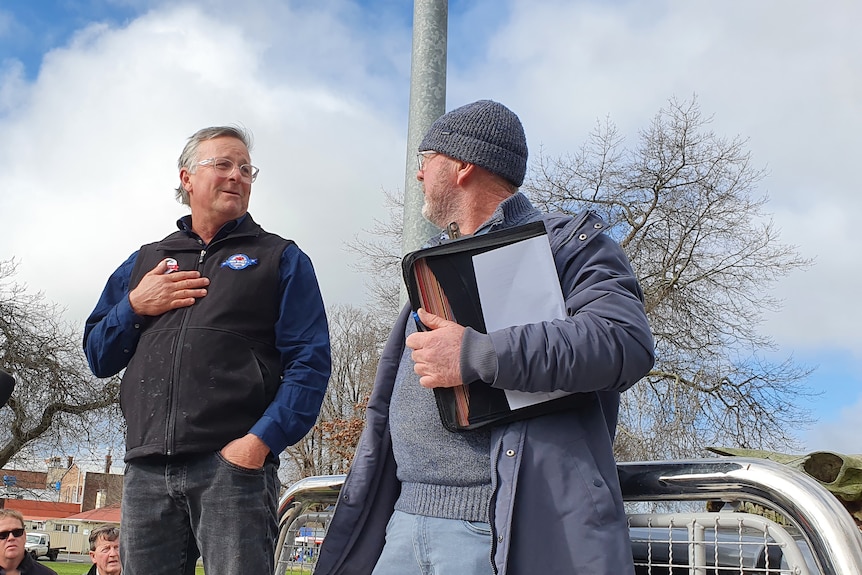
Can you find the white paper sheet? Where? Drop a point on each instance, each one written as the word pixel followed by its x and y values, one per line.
pixel 518 285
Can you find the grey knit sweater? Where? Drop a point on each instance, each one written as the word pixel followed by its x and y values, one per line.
pixel 443 473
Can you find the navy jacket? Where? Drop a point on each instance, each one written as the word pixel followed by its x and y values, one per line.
pixel 556 506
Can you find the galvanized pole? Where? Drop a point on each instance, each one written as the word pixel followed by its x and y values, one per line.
pixel 427 103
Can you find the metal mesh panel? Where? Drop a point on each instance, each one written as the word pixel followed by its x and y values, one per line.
pixel 298 552
pixel 714 544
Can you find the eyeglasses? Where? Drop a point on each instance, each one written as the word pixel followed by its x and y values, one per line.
pixel 423 157
pixel 16 533
pixel 224 168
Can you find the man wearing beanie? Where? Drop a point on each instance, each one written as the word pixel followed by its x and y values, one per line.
pixel 539 495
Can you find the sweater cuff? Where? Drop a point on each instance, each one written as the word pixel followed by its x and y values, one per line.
pixel 478 358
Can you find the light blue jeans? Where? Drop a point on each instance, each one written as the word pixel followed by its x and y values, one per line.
pixel 419 545
pixel 175 511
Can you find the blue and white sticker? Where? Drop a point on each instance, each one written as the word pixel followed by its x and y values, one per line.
pixel 239 262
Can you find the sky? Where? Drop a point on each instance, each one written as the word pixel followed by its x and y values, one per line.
pixel 97 98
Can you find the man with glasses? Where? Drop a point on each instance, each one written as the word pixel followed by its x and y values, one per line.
pixel 222 333
pixel 105 551
pixel 15 560
pixel 539 495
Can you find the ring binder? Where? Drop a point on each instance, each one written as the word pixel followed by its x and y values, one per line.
pixel 473 281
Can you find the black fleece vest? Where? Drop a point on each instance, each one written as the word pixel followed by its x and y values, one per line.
pixel 203 375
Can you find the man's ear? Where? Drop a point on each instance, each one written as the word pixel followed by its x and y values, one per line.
pixel 464 171
pixel 185 179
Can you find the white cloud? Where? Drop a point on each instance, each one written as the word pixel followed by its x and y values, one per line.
pixel 819 302
pixel 89 147
pixel 13 88
pixel 90 156
pixel 840 434
pixel 786 76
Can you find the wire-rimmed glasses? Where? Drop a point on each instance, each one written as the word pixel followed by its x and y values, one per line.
pixel 423 157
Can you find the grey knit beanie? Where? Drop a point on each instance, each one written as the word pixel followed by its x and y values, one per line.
pixel 484 133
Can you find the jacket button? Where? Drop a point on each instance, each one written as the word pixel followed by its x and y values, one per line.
pixel 597 482
pixel 510 453
pixel 597 226
pixel 582 237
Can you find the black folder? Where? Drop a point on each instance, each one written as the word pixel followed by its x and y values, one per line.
pixel 442 280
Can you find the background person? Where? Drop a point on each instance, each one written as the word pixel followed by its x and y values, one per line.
pixel 105 551
pixel 15 560
pixel 222 333
pixel 533 496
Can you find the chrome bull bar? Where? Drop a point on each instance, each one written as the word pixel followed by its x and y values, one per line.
pixel 833 543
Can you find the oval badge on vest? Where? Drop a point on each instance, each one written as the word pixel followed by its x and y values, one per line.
pixel 239 262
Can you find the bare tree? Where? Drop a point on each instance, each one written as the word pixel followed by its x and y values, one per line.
pixel 357 337
pixel 683 205
pixel 58 405
pixel 380 259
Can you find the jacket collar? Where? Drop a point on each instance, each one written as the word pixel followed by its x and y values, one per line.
pixel 243 224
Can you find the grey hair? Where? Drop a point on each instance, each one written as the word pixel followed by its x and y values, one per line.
pixel 189 158
pixel 106 532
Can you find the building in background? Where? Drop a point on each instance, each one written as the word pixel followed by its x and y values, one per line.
pixel 65 501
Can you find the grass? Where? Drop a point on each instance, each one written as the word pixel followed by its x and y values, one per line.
pixel 68 568
pixel 65 568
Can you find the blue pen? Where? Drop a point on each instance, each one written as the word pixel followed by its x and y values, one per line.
pixel 419 325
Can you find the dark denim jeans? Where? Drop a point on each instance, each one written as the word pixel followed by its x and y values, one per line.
pixel 175 511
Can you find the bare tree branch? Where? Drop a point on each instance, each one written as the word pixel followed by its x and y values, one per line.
pixel 357 337
pixel 380 258
pixel 683 205
pixel 58 405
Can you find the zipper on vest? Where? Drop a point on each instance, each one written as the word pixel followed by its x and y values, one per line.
pixel 175 385
pixel 175 375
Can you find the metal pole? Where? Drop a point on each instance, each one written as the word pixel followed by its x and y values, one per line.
pixel 427 103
